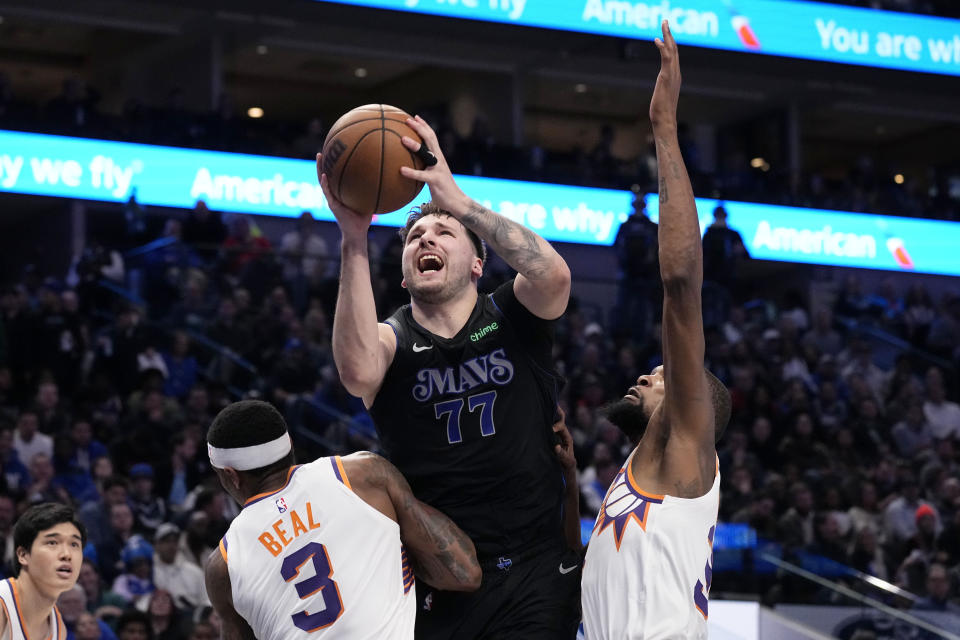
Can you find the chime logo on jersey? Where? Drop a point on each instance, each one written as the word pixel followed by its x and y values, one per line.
pixel 281 505
pixel 491 367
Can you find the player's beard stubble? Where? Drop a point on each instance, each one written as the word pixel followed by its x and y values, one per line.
pixel 437 293
pixel 627 416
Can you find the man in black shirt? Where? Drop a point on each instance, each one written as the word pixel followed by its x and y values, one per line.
pixel 463 395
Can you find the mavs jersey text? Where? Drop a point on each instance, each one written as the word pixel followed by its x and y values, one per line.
pixel 467 421
pixel 648 567
pixel 314 560
pixel 10 600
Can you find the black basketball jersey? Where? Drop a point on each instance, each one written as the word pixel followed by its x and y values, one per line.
pixel 467 420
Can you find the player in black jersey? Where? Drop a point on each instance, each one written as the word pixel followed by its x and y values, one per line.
pixel 462 392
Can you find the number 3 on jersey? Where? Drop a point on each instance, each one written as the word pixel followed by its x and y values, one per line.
pixel 452 409
pixel 701 592
pixel 320 582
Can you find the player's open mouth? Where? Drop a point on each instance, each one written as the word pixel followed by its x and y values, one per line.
pixel 65 571
pixel 429 262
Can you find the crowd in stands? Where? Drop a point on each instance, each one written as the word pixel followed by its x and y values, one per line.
pixel 840 447
pixel 867 187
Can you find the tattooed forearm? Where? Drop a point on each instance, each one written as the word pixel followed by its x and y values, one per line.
pixel 664 194
pixel 520 247
pixel 441 553
pixel 450 552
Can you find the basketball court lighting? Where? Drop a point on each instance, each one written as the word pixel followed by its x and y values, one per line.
pixel 255 112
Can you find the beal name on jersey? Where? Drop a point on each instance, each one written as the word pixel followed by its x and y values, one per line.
pixel 492 367
pixel 276 538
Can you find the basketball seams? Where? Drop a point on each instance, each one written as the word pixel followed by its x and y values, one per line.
pixel 346 161
pixel 414 159
pixel 357 186
pixel 335 132
pixel 383 150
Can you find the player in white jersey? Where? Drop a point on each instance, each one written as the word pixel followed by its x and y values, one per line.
pixel 320 550
pixel 648 570
pixel 48 540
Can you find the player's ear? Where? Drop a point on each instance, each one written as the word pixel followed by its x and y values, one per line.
pixel 232 476
pixel 23 557
pixel 477 267
pixel 403 283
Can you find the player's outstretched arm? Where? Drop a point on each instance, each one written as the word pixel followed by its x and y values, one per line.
pixel 362 348
pixel 233 626
pixel 543 283
pixel 687 405
pixel 441 553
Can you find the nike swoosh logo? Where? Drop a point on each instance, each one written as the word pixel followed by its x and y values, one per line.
pixel 565 570
pixel 417 348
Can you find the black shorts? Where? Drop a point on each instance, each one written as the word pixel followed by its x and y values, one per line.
pixel 534 595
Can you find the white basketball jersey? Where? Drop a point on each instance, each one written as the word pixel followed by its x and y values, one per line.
pixel 314 560
pixel 10 600
pixel 648 567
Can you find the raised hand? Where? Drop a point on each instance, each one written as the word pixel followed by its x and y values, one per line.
pixel 352 224
pixel 666 93
pixel 443 189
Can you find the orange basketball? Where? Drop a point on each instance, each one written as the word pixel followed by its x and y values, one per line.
pixel 362 156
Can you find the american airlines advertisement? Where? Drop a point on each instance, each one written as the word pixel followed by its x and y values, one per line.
pixel 84 169
pixel 790 28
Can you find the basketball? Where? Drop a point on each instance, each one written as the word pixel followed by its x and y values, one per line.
pixel 362 156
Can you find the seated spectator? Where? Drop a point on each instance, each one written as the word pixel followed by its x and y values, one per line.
pixel 42 487
pixel 900 516
pixel 942 414
pixel 15 473
pixel 175 574
pixel 77 482
pixel 937 591
pixel 8 517
pixel 27 440
pixel 134 625
pixel 96 516
pixel 85 448
pixel 103 603
pixel 866 512
pixel 796 526
pixel 181 366
pixel 165 618
pixel 243 246
pixel 866 554
pixel 912 434
pixel 72 605
pixel 149 510
pixel 136 580
pixel 110 550
pixel 52 416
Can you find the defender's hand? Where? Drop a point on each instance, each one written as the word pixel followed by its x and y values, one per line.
pixel 443 189
pixel 663 105
pixel 564 450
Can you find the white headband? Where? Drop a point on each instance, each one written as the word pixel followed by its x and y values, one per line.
pixel 252 457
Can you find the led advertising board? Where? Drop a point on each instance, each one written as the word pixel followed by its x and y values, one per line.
pixel 790 28
pixel 86 169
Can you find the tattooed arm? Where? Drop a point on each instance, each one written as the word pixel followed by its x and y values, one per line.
pixel 441 553
pixel 543 280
